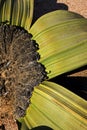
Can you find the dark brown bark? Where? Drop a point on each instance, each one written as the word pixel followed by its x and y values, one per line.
pixel 20 71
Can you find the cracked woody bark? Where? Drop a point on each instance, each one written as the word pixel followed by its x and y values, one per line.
pixel 62 55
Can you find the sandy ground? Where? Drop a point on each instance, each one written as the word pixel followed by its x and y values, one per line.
pixel 44 6
pixel 79 6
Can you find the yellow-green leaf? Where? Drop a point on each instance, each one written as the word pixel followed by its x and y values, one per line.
pixel 17 12
pixel 56 107
pixel 23 124
pixel 62 38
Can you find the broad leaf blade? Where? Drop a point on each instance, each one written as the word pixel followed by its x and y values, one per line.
pixel 56 107
pixel 23 125
pixel 17 12
pixel 62 38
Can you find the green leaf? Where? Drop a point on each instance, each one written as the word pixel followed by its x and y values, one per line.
pixel 56 107
pixel 62 38
pixel 17 12
pixel 23 125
